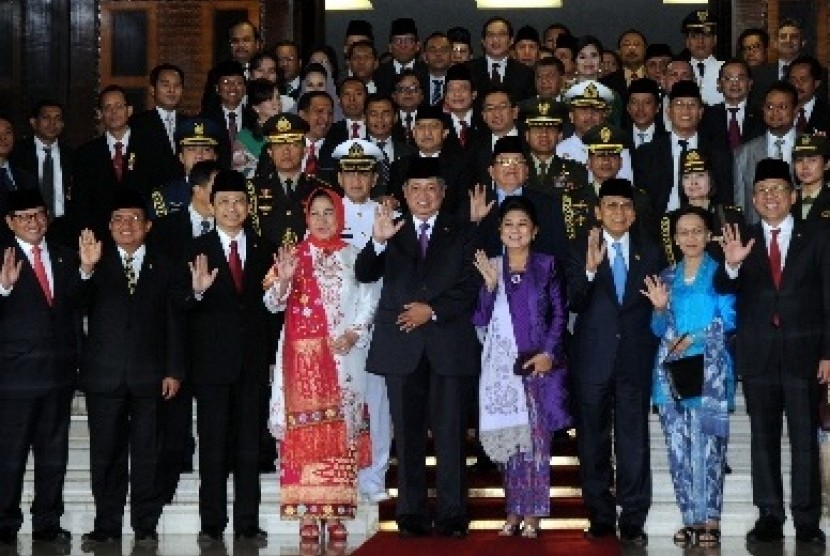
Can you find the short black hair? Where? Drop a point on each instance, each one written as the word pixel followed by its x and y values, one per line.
pixel 631 31
pixel 293 44
pixel 815 66
pixel 495 19
pixel 561 26
pixel 202 171
pixel 112 89
pixel 408 72
pixel 260 90
pixel 498 89
pixel 354 80
pixel 732 61
pixel 249 24
pixel 305 101
pixel 785 87
pixel 362 44
pixel 156 72
pixel 791 22
pixel 520 203
pixel 44 103
pixel 379 97
pixel 688 209
pixel 550 61
pixel 753 31
pixel 436 35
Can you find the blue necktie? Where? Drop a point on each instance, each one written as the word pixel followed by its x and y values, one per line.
pixel 619 271
pixel 423 239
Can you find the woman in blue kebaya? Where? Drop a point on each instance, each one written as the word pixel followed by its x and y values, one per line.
pixel 690 318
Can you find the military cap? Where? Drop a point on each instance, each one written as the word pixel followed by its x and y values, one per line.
pixel 124 198
pixel 699 20
pixel 658 50
pixel 771 169
pixel 616 187
pixel 810 145
pixel 527 33
pixel 284 128
pixel 566 40
pixel 545 113
pixel 684 89
pixel 423 168
pixel 197 132
pixel 589 93
pixel 357 155
pixel 605 138
pixel 693 162
pixel 403 26
pixel 24 199
pixel 360 27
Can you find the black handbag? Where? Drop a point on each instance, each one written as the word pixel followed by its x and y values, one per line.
pixel 684 375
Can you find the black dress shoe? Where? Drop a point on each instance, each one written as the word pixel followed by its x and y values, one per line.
pixel 767 529
pixel 413 526
pixel 600 530
pixel 100 536
pixel 256 535
pixel 209 534
pixel 810 535
pixel 146 536
pixel 55 534
pixel 452 528
pixel 8 538
pixel 634 536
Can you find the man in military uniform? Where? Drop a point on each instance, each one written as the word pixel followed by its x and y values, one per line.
pixel 543 130
pixel 358 161
pixel 277 212
pixel 196 140
pixel 604 143
pixel 700 29
pixel 590 105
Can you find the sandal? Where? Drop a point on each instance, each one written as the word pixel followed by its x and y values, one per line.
pixel 309 531
pixel 510 529
pixel 337 532
pixel 531 531
pixel 685 537
pixel 708 537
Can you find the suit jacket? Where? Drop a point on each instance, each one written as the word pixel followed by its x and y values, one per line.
pixel 133 341
pixel 171 235
pixel 446 280
pixel 39 342
pixel 609 337
pixel 654 169
pixel 765 75
pixel 95 183
pixel 518 78
pixel 454 171
pixel 802 304
pixel 715 125
pixel 228 332
pixel 24 157
pixel 819 118
pixel 149 135
pixel 225 150
pixel 384 77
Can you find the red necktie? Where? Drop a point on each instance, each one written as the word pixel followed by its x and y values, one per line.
pixel 40 274
pixel 463 136
pixel 734 130
pixel 355 130
pixel 311 160
pixel 235 265
pixel 495 76
pixel 801 122
pixel 775 258
pixel 118 160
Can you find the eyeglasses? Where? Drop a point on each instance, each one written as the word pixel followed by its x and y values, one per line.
pixel 410 89
pixel 693 232
pixel 404 40
pixel 497 107
pixel 752 47
pixel 506 162
pixel 618 205
pixel 29 216
pixel 125 219
pixel 776 189
pixel 734 78
pixel 685 104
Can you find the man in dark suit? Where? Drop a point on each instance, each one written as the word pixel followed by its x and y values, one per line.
pixel 277 197
pixel 780 277
pixel 229 113
pixel 496 67
pixel 812 115
pixel 38 357
pixel 424 344
pixel 459 96
pixel 612 359
pixel 131 365
pixel 404 47
pixel 316 108
pixel 107 163
pixel 154 131
pixel 33 155
pixel 500 115
pixel 380 120
pixel 643 106
pixel 290 62
pixel 657 164
pixel 245 42
pixel 12 178
pixel 732 123
pixel 810 156
pixel 352 94
pixel 222 298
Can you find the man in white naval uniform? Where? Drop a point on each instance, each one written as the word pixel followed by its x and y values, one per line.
pixel 700 29
pixel 357 174
pixel 590 105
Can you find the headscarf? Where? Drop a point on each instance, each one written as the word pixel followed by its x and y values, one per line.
pixel 335 242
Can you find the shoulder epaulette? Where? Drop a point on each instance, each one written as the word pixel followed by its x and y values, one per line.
pixel 665 238
pixel 249 186
pixel 159 204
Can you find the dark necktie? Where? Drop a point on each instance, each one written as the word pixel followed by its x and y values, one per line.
pixel 118 161
pixel 204 227
pixel 6 183
pixel 437 89
pixel 734 130
pixel 543 170
pixel 464 133
pixel 289 187
pixel 129 272
pixel 778 152
pixel 423 238
pixel 701 69
pixel 232 127
pixel 40 273
pixel 384 164
pixel 235 266
pixel 785 69
pixel 495 76
pixel 642 137
pixel 311 160
pixel 684 147
pixel 47 180
pixel 355 130
pixel 801 122
pixel 408 123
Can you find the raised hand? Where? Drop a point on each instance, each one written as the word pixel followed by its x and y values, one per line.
pixel 596 250
pixel 384 225
pixel 656 292
pixel 89 250
pixel 733 249
pixel 479 207
pixel 487 270
pixel 201 277
pixel 10 271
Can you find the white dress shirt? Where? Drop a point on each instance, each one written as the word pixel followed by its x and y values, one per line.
pixel 138 259
pixel 57 176
pixel 674 197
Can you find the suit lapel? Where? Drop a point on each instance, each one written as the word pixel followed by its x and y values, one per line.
pixel 59 270
pixel 634 278
pixel 760 254
pixel 795 247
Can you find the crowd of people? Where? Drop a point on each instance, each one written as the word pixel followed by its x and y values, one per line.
pixel 554 234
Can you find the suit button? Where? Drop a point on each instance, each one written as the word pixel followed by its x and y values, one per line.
pixel 618 336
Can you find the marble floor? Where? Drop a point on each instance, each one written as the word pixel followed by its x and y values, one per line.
pixel 186 545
